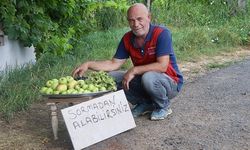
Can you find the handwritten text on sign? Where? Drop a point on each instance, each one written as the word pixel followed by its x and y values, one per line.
pixel 98 119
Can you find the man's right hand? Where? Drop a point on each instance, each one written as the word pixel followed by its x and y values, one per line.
pixel 80 70
pixel 105 65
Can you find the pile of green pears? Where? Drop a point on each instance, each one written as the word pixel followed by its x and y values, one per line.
pixel 95 81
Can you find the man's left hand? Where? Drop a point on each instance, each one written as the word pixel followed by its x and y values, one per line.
pixel 127 78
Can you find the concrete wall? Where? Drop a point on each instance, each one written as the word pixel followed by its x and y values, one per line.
pixel 13 54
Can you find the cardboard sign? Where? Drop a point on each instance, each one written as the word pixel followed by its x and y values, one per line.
pixel 98 119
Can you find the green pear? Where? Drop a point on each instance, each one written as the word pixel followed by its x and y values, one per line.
pixel 64 92
pixel 61 88
pixel 56 92
pixel 43 89
pixel 81 82
pixel 102 88
pixel 49 83
pixel 63 80
pixel 71 84
pixel 91 87
pixel 85 86
pixel 77 87
pixel 69 91
pixel 55 80
pixel 74 92
pixel 81 91
pixel 54 85
pixel 49 91
pixel 69 78
pixel 95 89
pixel 87 91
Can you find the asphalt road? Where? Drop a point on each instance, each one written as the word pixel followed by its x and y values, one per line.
pixel 211 112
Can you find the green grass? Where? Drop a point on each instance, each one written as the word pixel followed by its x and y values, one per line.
pixel 193 37
pixel 192 42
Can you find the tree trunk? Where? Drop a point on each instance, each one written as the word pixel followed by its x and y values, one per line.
pixel 232 7
pixel 148 4
pixel 242 4
pixel 236 6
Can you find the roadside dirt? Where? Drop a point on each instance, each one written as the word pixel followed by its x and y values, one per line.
pixel 200 67
pixel 32 129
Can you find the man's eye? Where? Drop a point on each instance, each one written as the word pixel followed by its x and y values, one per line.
pixel 140 19
pixel 131 21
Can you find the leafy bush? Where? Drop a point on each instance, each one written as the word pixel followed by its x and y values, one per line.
pixel 48 25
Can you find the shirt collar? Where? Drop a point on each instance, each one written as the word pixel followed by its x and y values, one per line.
pixel 150 32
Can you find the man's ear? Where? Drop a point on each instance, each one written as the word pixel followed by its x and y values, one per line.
pixel 149 16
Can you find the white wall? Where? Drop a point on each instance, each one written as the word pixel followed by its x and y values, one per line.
pixel 13 54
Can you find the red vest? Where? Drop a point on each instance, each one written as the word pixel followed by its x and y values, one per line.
pixel 149 52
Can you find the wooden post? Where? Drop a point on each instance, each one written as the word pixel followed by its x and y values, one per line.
pixel 70 101
pixel 54 119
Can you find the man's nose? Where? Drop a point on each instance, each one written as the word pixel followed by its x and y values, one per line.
pixel 136 23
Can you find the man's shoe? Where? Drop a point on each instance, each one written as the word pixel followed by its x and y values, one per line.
pixel 141 109
pixel 160 114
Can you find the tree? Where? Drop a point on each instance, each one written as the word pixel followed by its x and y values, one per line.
pixel 242 4
pixel 148 3
pixel 237 6
pixel 54 26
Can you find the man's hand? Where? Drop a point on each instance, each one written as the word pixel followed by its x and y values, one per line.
pixel 129 75
pixel 79 71
pixel 105 65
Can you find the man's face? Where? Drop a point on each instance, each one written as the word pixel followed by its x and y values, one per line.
pixel 139 21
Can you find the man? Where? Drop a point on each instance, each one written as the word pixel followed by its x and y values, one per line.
pixel 154 78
